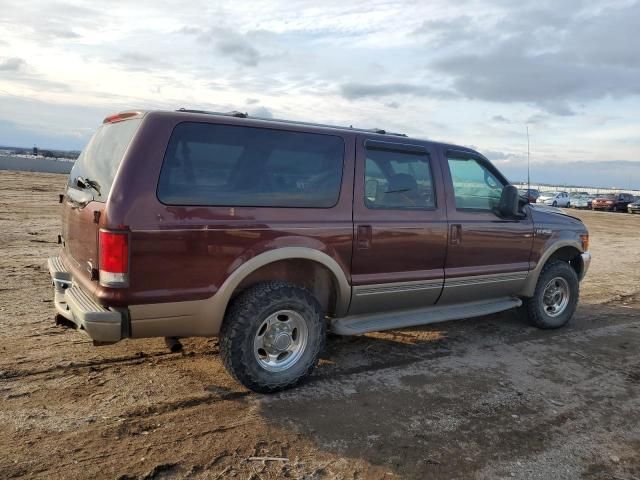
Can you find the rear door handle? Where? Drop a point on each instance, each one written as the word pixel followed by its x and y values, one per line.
pixel 363 237
pixel 455 234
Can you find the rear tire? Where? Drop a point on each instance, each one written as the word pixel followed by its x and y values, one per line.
pixel 272 336
pixel 555 298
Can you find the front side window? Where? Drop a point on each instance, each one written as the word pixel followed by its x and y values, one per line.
pixel 228 165
pixel 398 180
pixel 474 186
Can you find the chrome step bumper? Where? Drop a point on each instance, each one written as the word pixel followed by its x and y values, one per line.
pixel 102 324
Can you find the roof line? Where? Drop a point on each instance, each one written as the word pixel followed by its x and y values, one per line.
pixel 293 122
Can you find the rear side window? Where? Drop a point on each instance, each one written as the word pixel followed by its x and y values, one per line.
pixel 398 180
pixel 228 165
pixel 100 159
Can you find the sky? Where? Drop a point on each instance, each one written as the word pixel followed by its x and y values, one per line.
pixel 472 72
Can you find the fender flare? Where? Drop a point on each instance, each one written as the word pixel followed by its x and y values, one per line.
pixel 216 306
pixel 532 279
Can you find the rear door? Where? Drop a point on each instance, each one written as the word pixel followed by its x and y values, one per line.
pixel 87 191
pixel 487 256
pixel 400 226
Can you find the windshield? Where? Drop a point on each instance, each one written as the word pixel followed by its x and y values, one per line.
pixel 550 194
pixel 98 163
pixel 608 197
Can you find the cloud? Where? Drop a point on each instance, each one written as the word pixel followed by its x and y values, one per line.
pixel 261 112
pixel 238 49
pixel 554 57
pixel 54 31
pixel 229 43
pixel 610 174
pixel 12 64
pixel 496 155
pixel 138 61
pixel 354 91
pixel 499 119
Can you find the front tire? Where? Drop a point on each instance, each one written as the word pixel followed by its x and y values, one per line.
pixel 555 298
pixel 554 204
pixel 272 336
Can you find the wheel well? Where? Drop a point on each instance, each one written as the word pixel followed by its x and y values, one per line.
pixel 305 273
pixel 571 255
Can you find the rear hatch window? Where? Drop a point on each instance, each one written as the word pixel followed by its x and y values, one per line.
pixel 98 163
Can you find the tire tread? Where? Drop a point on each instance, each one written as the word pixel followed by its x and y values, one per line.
pixel 238 322
pixel 533 313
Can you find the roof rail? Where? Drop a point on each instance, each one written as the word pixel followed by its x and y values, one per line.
pixel 238 114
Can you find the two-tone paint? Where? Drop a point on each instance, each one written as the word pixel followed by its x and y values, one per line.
pixel 187 263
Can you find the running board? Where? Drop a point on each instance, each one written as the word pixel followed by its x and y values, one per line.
pixel 359 324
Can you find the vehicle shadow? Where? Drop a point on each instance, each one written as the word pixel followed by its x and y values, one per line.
pixel 451 399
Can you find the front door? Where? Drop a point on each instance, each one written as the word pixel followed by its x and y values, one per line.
pixel 400 226
pixel 487 256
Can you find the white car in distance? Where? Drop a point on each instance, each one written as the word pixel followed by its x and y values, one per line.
pixel 555 199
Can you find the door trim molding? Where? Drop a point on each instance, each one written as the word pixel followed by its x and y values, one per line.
pixel 396 287
pixel 484 279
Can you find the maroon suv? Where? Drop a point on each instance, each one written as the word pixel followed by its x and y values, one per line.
pixel 268 233
pixel 613 202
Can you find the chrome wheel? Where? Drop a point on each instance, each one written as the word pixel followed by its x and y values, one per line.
pixel 280 341
pixel 555 296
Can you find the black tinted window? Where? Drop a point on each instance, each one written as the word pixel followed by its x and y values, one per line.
pixel 100 159
pixel 227 165
pixel 398 180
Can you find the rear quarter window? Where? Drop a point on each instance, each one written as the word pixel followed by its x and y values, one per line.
pixel 229 165
pixel 101 158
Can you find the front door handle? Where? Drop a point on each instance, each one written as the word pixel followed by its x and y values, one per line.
pixel 363 236
pixel 455 234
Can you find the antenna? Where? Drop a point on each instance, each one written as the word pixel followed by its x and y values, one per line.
pixel 528 167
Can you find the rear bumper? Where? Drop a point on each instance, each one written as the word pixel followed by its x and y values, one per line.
pixel 102 324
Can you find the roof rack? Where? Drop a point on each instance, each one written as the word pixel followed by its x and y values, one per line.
pixel 238 114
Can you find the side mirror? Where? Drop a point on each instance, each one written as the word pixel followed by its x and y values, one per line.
pixel 509 202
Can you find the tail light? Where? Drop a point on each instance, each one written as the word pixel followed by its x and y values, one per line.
pixel 114 258
pixel 118 117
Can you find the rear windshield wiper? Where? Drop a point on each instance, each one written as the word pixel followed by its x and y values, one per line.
pixel 88 183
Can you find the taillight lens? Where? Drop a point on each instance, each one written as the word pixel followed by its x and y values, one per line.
pixel 114 258
pixel 118 117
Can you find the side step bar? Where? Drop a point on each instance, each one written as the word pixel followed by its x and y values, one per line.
pixel 359 324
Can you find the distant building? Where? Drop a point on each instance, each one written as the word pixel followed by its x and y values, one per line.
pixel 35 151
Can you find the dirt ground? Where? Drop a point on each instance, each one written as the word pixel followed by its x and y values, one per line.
pixel 482 398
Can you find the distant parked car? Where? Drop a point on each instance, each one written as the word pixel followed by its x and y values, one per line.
pixel 634 207
pixel 530 194
pixel 613 202
pixel 581 201
pixel 555 199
